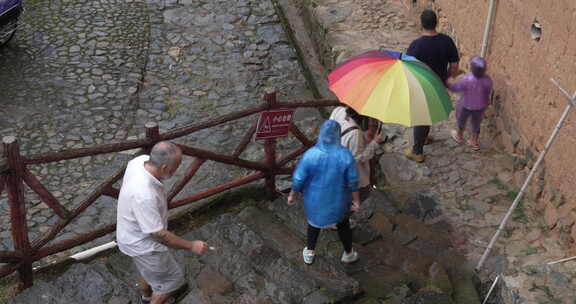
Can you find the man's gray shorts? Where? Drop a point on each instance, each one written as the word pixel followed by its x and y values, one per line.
pixel 160 270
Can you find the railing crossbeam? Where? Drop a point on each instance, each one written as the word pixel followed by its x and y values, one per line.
pixel 194 167
pixel 301 136
pixel 13 175
pixel 245 141
pixel 208 155
pixel 44 194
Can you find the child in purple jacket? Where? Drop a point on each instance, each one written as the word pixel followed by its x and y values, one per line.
pixel 475 89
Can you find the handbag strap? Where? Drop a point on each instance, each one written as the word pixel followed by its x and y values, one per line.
pixel 349 130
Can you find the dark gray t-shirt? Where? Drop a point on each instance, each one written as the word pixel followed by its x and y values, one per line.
pixel 436 52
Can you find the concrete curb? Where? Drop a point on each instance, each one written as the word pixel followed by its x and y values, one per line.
pixel 295 27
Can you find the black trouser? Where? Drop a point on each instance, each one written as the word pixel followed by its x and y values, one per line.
pixel 344 232
pixel 420 135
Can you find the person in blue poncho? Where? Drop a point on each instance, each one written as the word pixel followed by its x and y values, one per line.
pixel 328 177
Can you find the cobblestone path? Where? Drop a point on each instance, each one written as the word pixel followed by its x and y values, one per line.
pixel 83 72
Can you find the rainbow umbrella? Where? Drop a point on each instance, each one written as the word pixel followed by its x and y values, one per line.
pixel 391 87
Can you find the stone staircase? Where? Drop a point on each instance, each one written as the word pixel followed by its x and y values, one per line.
pixel 257 259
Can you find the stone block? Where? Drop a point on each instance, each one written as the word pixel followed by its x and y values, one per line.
pixel 428 297
pixel 438 278
pixel 551 216
pixel 381 223
pixel 398 169
pixel 211 281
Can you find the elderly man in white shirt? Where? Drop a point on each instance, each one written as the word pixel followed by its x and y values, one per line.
pixel 142 222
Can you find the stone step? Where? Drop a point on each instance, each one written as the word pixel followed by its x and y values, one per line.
pixel 259 268
pixel 423 251
pixel 80 284
pixel 294 218
pixel 327 269
pixel 257 271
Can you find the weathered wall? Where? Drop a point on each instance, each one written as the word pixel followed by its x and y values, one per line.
pixel 527 105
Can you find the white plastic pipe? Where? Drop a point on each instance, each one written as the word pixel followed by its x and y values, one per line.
pixel 487 28
pixel 491 289
pixel 562 260
pixel 92 251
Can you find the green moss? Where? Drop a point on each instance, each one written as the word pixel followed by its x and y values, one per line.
pixel 519 214
pixel 530 251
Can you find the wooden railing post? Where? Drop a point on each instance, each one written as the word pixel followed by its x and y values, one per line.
pixel 270 145
pixel 270 150
pixel 152 132
pixel 15 187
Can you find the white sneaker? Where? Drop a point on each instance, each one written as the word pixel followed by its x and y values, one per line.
pixel 349 258
pixel 308 255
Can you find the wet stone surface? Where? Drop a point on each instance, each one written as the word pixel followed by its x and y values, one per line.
pixel 473 189
pixel 81 73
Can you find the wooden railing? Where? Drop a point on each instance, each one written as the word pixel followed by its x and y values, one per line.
pixel 14 173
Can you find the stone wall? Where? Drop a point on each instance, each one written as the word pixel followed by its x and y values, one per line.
pixel 527 105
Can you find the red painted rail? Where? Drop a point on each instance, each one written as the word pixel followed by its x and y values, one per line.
pixel 14 174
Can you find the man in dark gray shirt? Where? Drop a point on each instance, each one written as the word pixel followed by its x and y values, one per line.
pixel 439 52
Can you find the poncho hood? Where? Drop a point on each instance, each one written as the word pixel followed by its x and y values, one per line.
pixel 329 138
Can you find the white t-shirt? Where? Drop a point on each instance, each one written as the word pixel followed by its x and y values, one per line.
pixel 142 210
pixel 355 141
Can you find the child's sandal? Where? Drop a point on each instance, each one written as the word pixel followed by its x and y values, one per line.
pixel 474 146
pixel 457 138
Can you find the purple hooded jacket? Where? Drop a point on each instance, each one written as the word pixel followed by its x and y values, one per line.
pixel 474 87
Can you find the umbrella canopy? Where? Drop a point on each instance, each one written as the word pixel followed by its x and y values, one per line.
pixel 391 87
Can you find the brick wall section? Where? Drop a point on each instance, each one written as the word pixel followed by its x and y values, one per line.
pixel 527 106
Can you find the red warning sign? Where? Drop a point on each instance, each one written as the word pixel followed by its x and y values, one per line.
pixel 273 124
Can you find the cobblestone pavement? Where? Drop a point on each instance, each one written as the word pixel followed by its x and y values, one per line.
pixel 474 189
pixel 83 72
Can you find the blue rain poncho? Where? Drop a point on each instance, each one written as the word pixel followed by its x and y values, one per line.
pixel 327 176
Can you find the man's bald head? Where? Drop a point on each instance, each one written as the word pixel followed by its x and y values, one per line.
pixel 166 155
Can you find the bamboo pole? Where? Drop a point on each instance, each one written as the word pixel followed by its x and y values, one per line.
pixel 491 289
pixel 562 260
pixel 18 210
pixel 487 28
pixel 571 103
